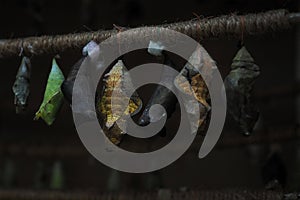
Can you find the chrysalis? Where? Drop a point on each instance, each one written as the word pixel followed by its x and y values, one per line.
pixel 239 84
pixel 53 97
pixel 161 95
pixel 199 61
pixel 21 85
pixel 115 80
pixel 67 86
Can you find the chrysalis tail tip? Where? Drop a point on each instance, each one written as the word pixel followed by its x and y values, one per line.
pixel 247 133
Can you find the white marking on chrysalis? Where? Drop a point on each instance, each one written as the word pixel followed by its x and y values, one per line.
pixel 90 48
pixel 155 48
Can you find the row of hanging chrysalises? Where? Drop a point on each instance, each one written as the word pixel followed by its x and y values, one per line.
pixel 238 83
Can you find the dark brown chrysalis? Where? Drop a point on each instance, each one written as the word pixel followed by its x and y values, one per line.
pixel 161 95
pixel 239 85
pixel 67 85
pixel 21 86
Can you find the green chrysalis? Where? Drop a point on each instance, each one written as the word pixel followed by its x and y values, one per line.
pixel 53 97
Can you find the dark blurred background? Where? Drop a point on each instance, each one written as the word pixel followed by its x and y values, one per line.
pixel 36 156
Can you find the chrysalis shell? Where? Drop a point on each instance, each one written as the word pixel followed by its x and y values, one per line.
pixel 239 85
pixel 162 95
pixel 67 86
pixel 116 80
pixel 21 86
pixel 198 62
pixel 53 97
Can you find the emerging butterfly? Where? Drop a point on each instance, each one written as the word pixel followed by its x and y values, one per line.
pixel 21 86
pixel 53 97
pixel 116 80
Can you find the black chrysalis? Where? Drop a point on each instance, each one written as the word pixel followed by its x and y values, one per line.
pixel 161 95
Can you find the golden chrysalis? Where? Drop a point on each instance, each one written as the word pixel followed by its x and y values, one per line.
pixel 116 80
pixel 195 86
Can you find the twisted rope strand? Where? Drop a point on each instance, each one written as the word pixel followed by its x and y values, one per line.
pixel 227 26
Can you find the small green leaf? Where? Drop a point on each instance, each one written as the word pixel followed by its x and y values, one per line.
pixel 53 97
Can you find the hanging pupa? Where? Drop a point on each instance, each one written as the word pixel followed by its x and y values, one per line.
pixel 239 85
pixel 116 80
pixel 195 86
pixel 161 95
pixel 53 97
pixel 67 85
pixel 21 86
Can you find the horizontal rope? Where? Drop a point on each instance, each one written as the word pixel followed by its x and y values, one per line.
pixel 227 26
